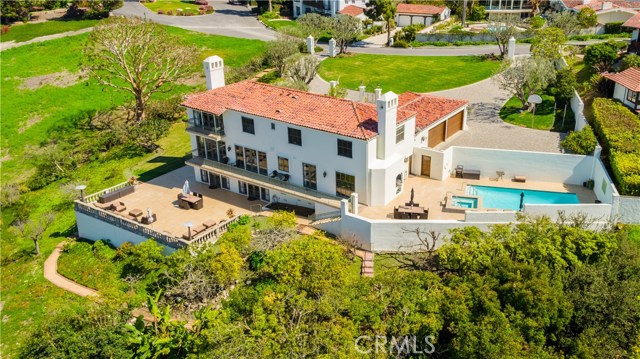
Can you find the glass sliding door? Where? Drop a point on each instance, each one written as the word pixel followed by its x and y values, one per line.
pixel 309 179
pixel 262 163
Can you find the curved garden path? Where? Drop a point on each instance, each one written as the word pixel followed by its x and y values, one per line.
pixel 11 44
pixel 52 275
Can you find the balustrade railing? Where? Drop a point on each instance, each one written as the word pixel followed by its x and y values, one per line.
pixel 94 196
pixel 213 232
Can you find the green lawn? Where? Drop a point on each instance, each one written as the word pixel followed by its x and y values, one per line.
pixel 22 33
pixel 280 23
pixel 172 6
pixel 31 117
pixel 545 118
pixel 407 73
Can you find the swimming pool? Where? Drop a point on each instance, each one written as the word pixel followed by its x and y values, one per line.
pixel 464 202
pixel 509 198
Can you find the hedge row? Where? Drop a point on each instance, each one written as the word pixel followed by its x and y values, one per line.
pixel 619 130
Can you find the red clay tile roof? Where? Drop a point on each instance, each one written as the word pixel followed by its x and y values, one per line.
pixel 429 109
pixel 351 10
pixel 629 78
pixel 633 22
pixel 340 116
pixel 597 4
pixel 420 9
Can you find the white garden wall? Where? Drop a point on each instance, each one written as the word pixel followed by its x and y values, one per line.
pixel 628 209
pixel 596 212
pixel 95 230
pixel 536 166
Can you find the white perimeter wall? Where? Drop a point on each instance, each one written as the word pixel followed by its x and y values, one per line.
pixel 577 106
pixel 629 209
pixel 95 230
pixel 597 213
pixel 536 166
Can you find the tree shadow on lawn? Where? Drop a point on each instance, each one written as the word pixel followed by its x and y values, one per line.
pixel 169 163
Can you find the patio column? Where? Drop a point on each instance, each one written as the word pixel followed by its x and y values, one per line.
pixel 354 203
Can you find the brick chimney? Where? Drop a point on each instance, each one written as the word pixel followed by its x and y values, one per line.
pixel 214 72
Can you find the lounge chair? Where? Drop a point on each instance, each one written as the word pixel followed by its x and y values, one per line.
pixel 119 207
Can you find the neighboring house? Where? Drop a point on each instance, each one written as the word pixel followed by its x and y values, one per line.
pixel 634 23
pixel 315 144
pixel 355 11
pixel 324 7
pixel 521 7
pixel 606 11
pixel 409 14
pixel 627 87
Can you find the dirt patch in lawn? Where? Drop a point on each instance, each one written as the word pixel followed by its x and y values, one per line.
pixel 58 79
pixel 193 80
pixel 30 122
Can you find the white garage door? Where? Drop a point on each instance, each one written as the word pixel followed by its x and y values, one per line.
pixel 404 20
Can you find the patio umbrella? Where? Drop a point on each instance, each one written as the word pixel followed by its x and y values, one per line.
pixel 521 200
pixel 185 187
pixel 412 193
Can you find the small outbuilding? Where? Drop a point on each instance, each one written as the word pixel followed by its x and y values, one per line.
pixel 409 14
pixel 627 86
pixel 634 24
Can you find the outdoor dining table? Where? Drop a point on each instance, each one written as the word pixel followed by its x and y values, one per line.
pixel 413 212
pixel 194 202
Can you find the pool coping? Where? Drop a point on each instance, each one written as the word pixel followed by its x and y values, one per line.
pixel 449 207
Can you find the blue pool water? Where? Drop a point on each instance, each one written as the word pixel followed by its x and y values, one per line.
pixel 464 202
pixel 509 198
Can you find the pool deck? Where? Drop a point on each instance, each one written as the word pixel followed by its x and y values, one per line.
pixel 430 193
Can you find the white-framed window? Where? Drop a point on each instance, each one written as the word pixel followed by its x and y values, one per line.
pixel 632 96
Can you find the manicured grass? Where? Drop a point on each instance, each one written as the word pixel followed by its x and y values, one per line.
pixel 173 6
pixel 280 23
pixel 27 297
pixel 26 32
pixel 545 117
pixel 407 73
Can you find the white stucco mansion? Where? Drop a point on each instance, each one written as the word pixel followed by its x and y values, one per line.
pixel 284 145
pixel 324 7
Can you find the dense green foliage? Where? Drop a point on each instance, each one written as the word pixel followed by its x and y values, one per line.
pixel 630 60
pixel 537 289
pixel 582 142
pixel 619 132
pixel 601 56
pixel 613 27
pixel 548 43
pixel 587 17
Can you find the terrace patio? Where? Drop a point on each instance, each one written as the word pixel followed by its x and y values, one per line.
pixel 430 194
pixel 160 195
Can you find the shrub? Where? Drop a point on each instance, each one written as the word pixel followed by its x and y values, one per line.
pixel 582 142
pixel 613 28
pixel 537 22
pixel 169 12
pixel 478 13
pixel 4 29
pixel 601 56
pixel 631 60
pixel 201 2
pixel 400 43
pixel 205 9
pixel 619 132
pixel 269 15
pixel 160 12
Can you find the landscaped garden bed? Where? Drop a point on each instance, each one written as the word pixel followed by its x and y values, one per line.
pixel 179 7
pixel 407 73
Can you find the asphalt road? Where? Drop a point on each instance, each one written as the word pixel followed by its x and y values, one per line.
pixel 238 21
pixel 228 20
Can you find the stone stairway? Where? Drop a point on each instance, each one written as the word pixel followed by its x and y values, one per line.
pixel 367 262
pixel 325 220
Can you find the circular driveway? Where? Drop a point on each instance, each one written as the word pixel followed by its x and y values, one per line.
pixel 227 20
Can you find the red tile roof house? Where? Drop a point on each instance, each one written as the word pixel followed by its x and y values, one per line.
pixel 355 11
pixel 606 11
pixel 333 146
pixel 627 87
pixel 409 14
pixel 634 24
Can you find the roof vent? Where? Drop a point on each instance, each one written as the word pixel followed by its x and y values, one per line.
pixel 294 96
pixel 278 111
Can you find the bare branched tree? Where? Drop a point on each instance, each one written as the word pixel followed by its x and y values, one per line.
pixel 302 68
pixel 136 56
pixel 268 239
pixel 421 256
pixel 34 229
pixel 503 28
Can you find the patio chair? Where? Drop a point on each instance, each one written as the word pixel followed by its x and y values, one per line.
pixel 183 204
pixel 459 170
pixel 286 178
pixel 274 174
pixel 120 207
pixel 105 206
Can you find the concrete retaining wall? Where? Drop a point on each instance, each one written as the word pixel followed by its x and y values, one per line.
pixel 629 209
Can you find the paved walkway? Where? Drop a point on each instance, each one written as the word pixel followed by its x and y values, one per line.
pixel 227 20
pixel 51 274
pixel 487 130
pixel 11 44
